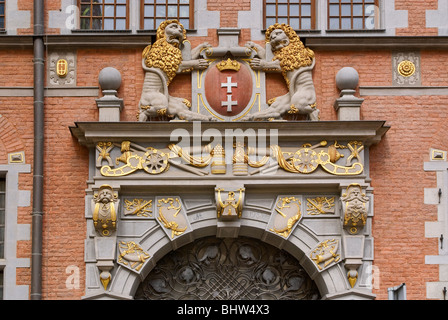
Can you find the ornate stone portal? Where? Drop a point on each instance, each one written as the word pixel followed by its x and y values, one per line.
pixel 228 269
pixel 289 184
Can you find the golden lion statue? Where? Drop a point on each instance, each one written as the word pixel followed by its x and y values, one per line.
pixel 295 62
pixel 169 55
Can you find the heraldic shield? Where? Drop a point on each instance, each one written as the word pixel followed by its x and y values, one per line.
pixel 229 89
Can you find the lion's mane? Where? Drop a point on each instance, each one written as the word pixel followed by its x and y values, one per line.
pixel 295 55
pixel 163 55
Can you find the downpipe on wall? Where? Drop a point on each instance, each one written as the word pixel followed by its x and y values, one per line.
pixel 38 174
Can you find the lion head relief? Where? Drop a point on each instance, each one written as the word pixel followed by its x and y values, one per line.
pixel 165 53
pixel 288 48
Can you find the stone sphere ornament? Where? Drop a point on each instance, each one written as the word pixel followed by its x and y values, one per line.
pixel 109 79
pixel 347 78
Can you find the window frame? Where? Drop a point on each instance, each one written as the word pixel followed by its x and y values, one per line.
pixel 3 27
pixel 102 17
pixel 313 13
pixel 364 17
pixel 167 17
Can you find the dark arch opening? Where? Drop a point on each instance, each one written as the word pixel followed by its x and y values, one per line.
pixel 228 269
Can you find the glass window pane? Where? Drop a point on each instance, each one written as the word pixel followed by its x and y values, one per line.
pixel 357 10
pixel 306 10
pixel 357 23
pixel 109 11
pixel 346 10
pixel 120 24
pixel 185 23
pixel 160 11
pixel 149 24
pixel 282 20
pixel 172 11
pixel 2 9
pixel 334 23
pixel 149 11
pixel 306 23
pixel 294 23
pixel 270 10
pixel 108 24
pixel 334 10
pixel 282 10
pixel 121 11
pixel 121 1
pixel 96 24
pixel 270 22
pixel 346 23
pixel 294 10
pixel 184 11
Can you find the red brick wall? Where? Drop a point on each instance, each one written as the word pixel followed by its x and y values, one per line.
pixel 396 163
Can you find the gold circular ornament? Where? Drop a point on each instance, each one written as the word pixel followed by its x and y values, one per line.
pixel 406 68
pixel 305 160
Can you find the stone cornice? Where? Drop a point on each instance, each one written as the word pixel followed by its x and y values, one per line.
pixel 369 132
pixel 141 39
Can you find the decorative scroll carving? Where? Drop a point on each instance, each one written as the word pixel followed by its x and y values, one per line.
pixel 132 255
pixel 326 253
pixel 105 210
pixel 288 215
pixel 228 269
pixel 355 208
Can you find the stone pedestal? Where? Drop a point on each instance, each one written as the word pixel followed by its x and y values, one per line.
pixel 348 106
pixel 109 105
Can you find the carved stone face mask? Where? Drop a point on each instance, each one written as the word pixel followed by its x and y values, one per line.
pixel 174 34
pixel 278 39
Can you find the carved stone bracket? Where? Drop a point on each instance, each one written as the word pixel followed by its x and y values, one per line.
pixel 105 210
pixel 355 206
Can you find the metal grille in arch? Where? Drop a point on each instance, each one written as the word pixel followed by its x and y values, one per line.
pixel 230 269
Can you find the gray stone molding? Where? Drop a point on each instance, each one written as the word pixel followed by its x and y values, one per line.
pixel 50 91
pixel 438 197
pixel 402 91
pixel 14 232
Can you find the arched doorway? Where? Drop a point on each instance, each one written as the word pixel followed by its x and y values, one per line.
pixel 232 269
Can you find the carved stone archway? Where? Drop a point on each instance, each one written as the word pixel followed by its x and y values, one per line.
pixel 228 269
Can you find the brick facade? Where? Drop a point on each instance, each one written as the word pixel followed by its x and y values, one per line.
pixel 396 164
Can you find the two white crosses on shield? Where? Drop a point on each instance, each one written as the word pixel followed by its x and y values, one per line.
pixel 229 103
